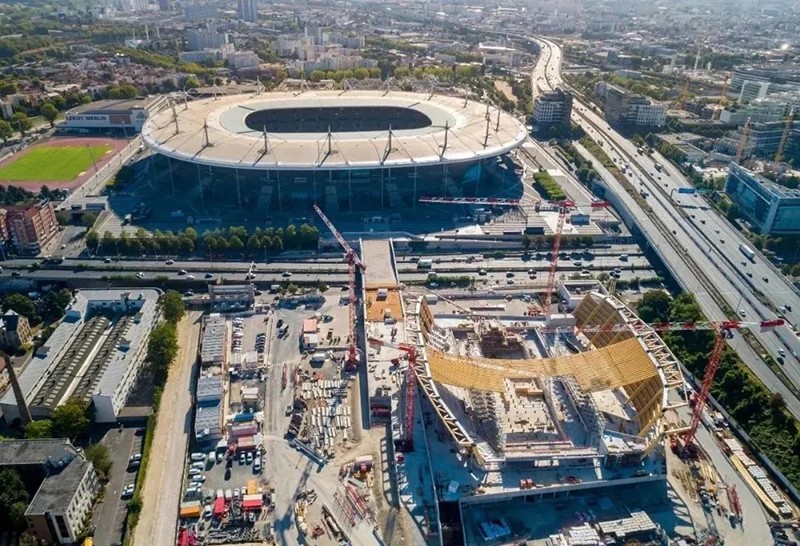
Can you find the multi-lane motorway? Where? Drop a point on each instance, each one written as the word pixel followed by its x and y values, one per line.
pixel 699 246
pixel 512 270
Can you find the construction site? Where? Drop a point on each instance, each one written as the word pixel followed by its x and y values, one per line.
pixel 430 418
pixel 577 412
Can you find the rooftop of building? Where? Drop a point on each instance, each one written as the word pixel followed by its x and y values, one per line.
pixel 57 451
pixel 10 320
pixel 297 130
pixel 122 106
pixel 775 189
pixel 57 490
pixel 75 358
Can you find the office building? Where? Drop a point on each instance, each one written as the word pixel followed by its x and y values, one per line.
pixel 775 107
pixel 761 141
pixel 95 354
pixel 779 77
pixel 247 10
pixel 623 108
pixel 552 108
pixel 61 482
pixel 231 296
pixel 771 208
pixel 30 227
pixel 15 331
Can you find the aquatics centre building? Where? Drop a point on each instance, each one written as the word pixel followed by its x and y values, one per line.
pixel 344 150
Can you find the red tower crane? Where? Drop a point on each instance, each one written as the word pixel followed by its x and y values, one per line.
pixel 353 263
pixel 722 331
pixel 407 442
pixel 563 208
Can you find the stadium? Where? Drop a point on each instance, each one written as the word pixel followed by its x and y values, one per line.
pixel 347 151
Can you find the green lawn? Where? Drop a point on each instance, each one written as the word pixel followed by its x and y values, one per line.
pixel 52 163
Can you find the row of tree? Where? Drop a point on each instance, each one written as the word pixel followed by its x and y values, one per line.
pixel 187 242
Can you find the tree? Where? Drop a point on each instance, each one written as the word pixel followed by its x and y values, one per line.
pixel 92 238
pixel 49 112
pixel 14 499
pixel 39 429
pixel 654 306
pixel 55 304
pixel 22 305
pixel 88 219
pixel 191 83
pixel 235 243
pixel 526 241
pixel 21 122
pixel 70 419
pixel 172 306
pixel 733 213
pixel 99 456
pixel 6 131
pixel 162 348
pixel 8 88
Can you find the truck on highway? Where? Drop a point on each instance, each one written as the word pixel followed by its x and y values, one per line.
pixel 747 251
pixel 424 263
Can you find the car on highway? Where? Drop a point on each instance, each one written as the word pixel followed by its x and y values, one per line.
pixel 140 275
pixel 182 272
pixel 742 313
pixel 107 261
pixel 209 276
pixel 765 279
pixel 286 274
pixel 170 262
pixel 189 277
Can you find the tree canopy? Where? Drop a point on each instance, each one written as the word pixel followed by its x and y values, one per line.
pixel 172 306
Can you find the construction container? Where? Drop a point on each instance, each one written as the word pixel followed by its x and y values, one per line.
pixel 190 510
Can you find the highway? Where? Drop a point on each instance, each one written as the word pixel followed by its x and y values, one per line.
pixel 703 261
pixel 331 270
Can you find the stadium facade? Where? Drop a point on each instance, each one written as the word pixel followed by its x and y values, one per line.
pixel 346 151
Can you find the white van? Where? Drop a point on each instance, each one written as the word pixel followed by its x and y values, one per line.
pixel 318 358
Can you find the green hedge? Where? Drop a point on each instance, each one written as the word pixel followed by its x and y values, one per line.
pixel 547 187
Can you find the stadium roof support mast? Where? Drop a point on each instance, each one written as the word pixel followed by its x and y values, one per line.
pixel 353 263
pixel 388 149
pixel 206 142
pixel 175 117
pixel 446 133
pixel 265 150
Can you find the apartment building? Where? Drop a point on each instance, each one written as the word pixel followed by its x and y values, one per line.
pixel 29 227
pixel 63 485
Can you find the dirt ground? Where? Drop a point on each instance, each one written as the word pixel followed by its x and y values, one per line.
pixel 505 89
pixel 116 144
pixel 162 487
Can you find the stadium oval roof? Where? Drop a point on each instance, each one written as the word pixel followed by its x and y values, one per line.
pixel 229 131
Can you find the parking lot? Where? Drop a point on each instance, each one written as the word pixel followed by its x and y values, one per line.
pixel 109 516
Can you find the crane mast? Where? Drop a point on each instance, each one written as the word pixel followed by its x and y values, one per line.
pixel 353 264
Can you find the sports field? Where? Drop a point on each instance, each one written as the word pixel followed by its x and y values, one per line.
pixel 52 163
